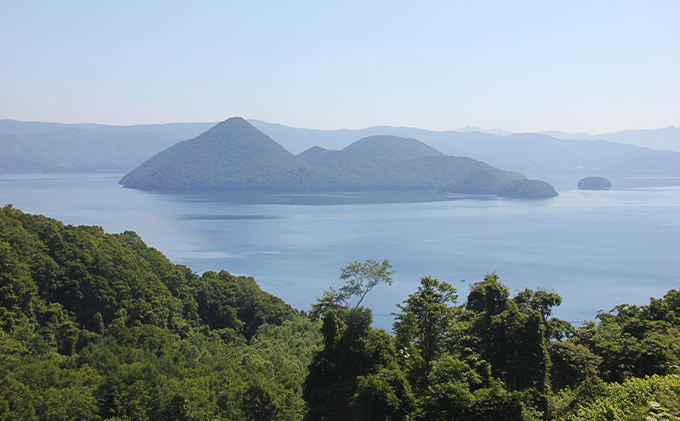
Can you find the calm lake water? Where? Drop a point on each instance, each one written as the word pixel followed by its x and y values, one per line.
pixel 597 249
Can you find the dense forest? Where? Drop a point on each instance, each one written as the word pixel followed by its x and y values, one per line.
pixel 98 326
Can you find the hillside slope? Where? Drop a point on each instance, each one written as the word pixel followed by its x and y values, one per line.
pixel 94 325
pixel 234 155
pixel 398 161
pixel 521 152
pixel 231 155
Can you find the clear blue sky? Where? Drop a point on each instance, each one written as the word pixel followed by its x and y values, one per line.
pixel 591 66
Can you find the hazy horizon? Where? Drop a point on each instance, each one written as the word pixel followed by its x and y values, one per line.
pixel 493 130
pixel 527 66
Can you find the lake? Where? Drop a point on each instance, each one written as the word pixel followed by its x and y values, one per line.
pixel 597 249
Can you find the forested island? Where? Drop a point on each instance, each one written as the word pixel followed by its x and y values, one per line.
pixel 484 182
pixel 99 326
pixel 234 155
pixel 594 183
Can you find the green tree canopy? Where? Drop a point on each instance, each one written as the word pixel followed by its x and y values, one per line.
pixel 426 317
pixel 360 278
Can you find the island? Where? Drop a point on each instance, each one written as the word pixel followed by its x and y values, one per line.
pixel 234 155
pixel 483 182
pixel 594 183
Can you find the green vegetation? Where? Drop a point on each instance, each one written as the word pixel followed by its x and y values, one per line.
pixel 394 162
pixel 484 182
pixel 100 326
pixel 97 326
pixel 231 155
pixel 496 357
pixel 236 156
pixel 594 183
pixel 360 279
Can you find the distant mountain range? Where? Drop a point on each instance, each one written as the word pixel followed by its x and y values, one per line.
pixel 523 152
pixel 55 147
pixel 234 155
pixel 69 148
pixel 661 139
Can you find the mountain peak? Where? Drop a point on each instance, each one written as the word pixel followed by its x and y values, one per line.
pixel 231 155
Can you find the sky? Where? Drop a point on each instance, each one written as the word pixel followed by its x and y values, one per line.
pixel 574 66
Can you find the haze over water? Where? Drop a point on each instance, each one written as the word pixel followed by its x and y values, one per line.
pixel 597 249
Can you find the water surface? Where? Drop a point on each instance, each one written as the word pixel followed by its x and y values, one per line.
pixel 596 248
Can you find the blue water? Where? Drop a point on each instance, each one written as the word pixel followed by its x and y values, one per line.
pixel 597 249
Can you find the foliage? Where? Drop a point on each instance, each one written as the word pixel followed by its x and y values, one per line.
pixel 654 397
pixel 360 278
pixel 427 317
pixel 97 326
pixel 498 356
pixel 356 374
pixel 100 326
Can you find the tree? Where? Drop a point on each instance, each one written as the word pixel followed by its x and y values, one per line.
pixel 541 300
pixel 330 300
pixel 426 317
pixel 489 296
pixel 510 334
pixel 356 375
pixel 359 279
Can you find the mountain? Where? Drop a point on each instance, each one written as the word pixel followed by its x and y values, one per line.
pixel 499 132
pixel 176 131
pixel 398 159
pixel 50 147
pixel 522 152
pixel 667 139
pixel 55 147
pixel 75 150
pixel 369 157
pixel 535 152
pixel 234 155
pixel 16 155
pixel 231 155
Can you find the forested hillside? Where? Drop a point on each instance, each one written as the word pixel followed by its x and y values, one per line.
pixel 396 160
pixel 234 155
pixel 98 326
pixel 485 182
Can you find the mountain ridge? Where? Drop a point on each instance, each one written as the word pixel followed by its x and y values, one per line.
pixel 515 152
pixel 234 155
pixel 216 158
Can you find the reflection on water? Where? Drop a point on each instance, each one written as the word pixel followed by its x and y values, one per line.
pixel 315 198
pixel 228 217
